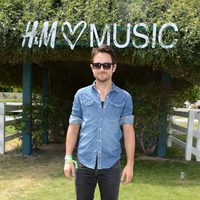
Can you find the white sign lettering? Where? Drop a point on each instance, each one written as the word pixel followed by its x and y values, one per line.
pixel 46 37
pixel 72 32
pixel 128 32
pixel 30 34
pixel 169 46
pixel 93 32
pixel 139 36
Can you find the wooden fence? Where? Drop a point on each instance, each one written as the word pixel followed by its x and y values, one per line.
pixel 192 116
pixel 8 117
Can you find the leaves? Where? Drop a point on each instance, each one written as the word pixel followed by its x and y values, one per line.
pixel 181 63
pixel 15 15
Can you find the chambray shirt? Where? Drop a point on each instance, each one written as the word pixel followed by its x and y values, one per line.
pixel 100 126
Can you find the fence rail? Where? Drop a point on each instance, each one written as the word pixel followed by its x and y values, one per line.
pixel 192 116
pixel 6 120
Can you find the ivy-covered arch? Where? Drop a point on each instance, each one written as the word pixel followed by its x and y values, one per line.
pixel 139 70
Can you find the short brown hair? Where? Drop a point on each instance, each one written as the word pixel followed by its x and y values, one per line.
pixel 104 49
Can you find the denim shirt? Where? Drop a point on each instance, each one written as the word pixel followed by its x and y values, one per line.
pixel 100 127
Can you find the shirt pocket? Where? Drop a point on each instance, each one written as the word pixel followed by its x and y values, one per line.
pixel 114 110
pixel 88 108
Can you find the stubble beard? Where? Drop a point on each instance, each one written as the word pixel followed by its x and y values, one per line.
pixel 103 79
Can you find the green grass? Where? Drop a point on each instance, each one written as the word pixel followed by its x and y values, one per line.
pixel 40 177
pixel 10 129
pixel 183 137
pixel 10 100
pixel 184 124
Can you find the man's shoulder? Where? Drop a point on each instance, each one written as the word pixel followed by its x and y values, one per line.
pixel 84 89
pixel 122 91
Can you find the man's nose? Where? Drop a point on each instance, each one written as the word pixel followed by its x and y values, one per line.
pixel 102 69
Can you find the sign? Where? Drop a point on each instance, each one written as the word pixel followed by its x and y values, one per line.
pixel 147 35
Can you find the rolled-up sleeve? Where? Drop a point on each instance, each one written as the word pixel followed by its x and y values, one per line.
pixel 76 114
pixel 127 116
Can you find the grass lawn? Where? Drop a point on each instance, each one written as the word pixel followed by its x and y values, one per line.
pixel 10 129
pixel 10 100
pixel 40 177
pixel 183 136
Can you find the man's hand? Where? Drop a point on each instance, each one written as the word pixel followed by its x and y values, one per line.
pixel 127 174
pixel 69 170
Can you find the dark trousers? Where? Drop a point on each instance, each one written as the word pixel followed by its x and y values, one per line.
pixel 107 179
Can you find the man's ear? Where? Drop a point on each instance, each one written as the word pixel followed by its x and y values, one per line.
pixel 114 67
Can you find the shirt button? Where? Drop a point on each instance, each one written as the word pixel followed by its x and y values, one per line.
pixel 100 129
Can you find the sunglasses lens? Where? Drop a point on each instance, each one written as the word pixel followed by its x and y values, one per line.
pixel 97 65
pixel 105 66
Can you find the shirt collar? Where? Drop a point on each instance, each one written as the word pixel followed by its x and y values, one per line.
pixel 114 87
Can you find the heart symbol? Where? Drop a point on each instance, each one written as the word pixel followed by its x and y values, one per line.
pixel 72 31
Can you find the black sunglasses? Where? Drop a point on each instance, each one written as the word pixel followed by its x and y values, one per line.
pixel 105 66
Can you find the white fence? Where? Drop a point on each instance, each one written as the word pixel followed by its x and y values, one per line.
pixel 192 116
pixel 6 120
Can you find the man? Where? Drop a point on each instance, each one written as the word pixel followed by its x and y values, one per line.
pixel 98 113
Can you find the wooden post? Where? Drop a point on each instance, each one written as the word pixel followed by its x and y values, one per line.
pixel 162 138
pixel 188 149
pixel 2 128
pixel 169 141
pixel 198 139
pixel 45 87
pixel 27 103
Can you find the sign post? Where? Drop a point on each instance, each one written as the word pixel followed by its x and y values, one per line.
pixel 27 103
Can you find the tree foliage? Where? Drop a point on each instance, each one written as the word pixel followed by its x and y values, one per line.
pixel 14 16
pixel 139 70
